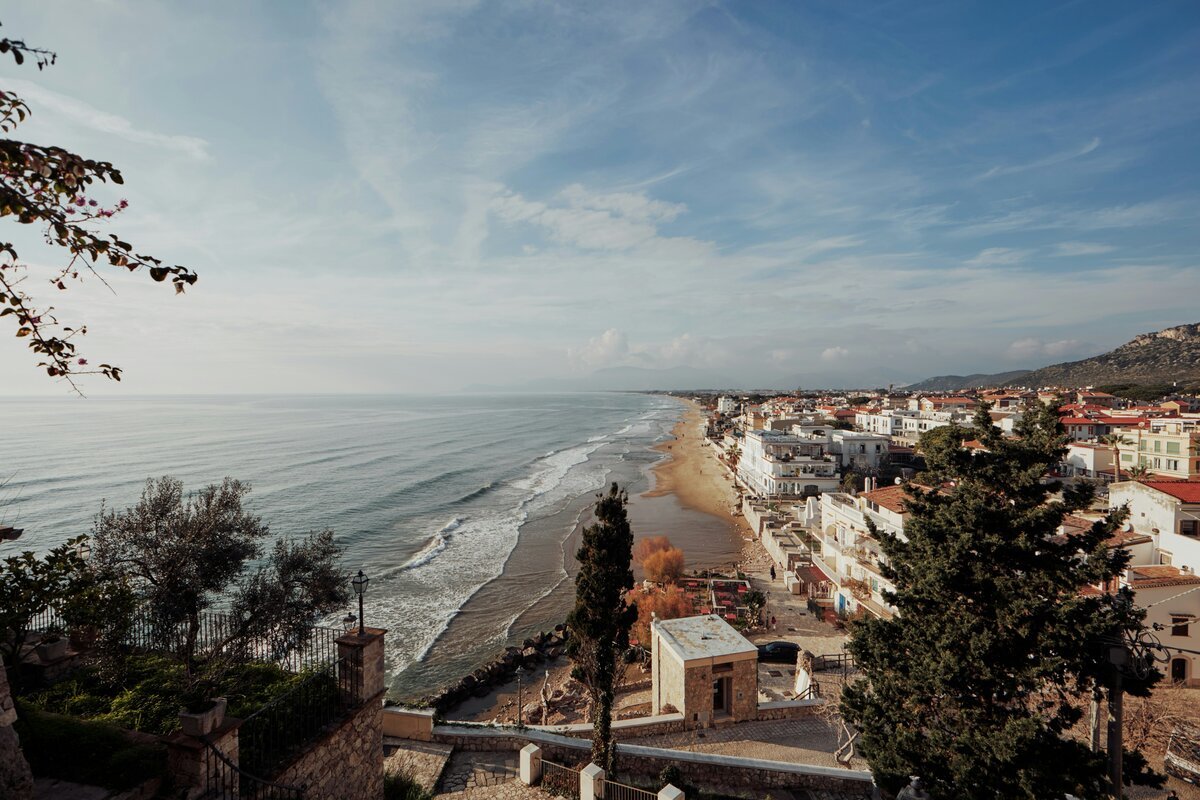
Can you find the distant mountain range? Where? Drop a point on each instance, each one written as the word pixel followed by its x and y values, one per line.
pixel 1172 354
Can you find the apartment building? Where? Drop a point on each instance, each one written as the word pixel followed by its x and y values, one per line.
pixel 1168 447
pixel 886 422
pixel 775 464
pixel 850 555
pixel 1168 512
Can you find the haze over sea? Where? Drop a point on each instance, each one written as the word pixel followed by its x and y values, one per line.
pixel 458 508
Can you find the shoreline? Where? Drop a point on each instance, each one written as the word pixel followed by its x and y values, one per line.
pixel 698 481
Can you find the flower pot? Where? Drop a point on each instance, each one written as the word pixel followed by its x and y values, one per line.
pixel 204 722
pixel 52 649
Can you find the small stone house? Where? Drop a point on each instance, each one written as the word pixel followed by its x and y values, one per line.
pixel 703 668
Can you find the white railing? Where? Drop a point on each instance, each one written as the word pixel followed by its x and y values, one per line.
pixel 621 791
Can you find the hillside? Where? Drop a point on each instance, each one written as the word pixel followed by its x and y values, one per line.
pixel 949 383
pixel 1172 354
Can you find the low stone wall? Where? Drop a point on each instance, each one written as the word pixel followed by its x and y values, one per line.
pixel 624 728
pixel 347 764
pixel 408 723
pixel 544 646
pixel 789 709
pixel 699 769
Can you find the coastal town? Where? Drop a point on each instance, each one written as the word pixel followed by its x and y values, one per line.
pixel 687 400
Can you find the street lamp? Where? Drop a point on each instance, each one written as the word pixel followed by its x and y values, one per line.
pixel 348 622
pixel 520 697
pixel 360 588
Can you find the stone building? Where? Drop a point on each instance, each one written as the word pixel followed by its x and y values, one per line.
pixel 704 669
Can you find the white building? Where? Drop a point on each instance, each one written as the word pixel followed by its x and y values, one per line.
pixel 774 464
pixel 727 405
pixel 1089 460
pixel 888 422
pixel 1169 512
pixel 912 427
pixel 857 449
pixel 850 555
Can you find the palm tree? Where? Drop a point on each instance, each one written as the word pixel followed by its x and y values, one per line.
pixel 1138 471
pixel 1114 441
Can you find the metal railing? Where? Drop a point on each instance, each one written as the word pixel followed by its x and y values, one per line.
pixel 227 781
pixel 812 691
pixel 218 634
pixel 623 791
pixel 831 661
pixel 559 779
pixel 284 726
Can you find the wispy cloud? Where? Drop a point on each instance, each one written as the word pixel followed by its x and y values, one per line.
pixel 78 112
pixel 1082 249
pixel 1042 163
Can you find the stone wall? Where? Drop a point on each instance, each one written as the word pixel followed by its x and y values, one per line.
pixel 347 764
pixel 704 770
pixel 16 781
pixel 622 729
pixel 789 709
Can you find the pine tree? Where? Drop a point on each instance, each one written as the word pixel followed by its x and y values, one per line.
pixel 601 619
pixel 993 651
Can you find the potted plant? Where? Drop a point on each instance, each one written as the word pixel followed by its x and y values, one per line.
pixel 201 713
pixel 51 647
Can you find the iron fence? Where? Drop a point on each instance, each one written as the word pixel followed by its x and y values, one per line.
pixel 218 633
pixel 559 779
pixel 227 781
pixel 284 726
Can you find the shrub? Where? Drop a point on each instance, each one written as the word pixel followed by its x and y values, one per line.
pixel 401 785
pixel 100 754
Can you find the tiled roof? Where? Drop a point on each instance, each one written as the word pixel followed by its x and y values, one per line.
pixel 890 497
pixel 1187 491
pixel 1155 576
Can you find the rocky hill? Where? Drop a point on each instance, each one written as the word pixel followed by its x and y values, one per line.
pixel 950 383
pixel 1172 354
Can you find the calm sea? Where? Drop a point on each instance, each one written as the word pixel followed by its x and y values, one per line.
pixel 430 496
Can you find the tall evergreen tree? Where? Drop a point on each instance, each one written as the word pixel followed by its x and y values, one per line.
pixel 994 650
pixel 601 619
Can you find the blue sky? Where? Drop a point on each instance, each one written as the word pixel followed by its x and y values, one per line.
pixel 385 196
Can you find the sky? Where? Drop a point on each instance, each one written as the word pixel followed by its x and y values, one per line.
pixel 422 196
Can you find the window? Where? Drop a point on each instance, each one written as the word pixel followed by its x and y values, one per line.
pixel 1179 624
pixel 1173 448
pixel 1142 445
pixel 1164 557
pixel 1127 456
pixel 1157 446
pixel 1189 527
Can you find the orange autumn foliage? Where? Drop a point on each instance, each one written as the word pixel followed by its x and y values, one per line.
pixel 664 566
pixel 669 604
pixel 650 545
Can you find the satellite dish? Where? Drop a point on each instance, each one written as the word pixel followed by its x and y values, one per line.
pixel 898 481
pixel 1128 526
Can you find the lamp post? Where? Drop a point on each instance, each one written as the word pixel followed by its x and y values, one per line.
pixel 360 588
pixel 520 697
pixel 348 622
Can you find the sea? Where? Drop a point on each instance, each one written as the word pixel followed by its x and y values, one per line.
pixel 463 511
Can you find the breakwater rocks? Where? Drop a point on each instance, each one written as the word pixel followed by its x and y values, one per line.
pixel 545 646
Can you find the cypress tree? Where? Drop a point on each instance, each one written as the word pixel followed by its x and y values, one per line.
pixel 601 619
pixel 994 651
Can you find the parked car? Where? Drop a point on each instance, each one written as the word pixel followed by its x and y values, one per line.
pixel 783 652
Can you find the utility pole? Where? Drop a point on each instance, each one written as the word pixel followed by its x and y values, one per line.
pixel 1118 656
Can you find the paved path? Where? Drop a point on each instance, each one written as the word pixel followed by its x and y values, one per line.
pixel 809 741
pixel 424 762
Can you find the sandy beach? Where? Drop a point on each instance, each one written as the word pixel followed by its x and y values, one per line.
pixel 694 475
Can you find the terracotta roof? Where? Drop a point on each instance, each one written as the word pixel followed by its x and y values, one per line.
pixel 1187 491
pixel 890 497
pixel 1154 576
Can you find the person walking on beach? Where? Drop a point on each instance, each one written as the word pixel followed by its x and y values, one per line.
pixel 772 572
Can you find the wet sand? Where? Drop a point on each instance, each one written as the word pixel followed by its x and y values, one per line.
pixel 696 478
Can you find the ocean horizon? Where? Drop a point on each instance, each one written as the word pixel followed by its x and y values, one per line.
pixel 459 508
